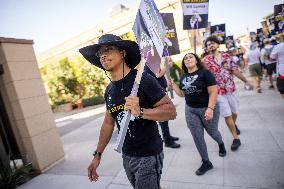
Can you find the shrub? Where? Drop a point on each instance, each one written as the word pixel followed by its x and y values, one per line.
pixel 68 81
pixel 11 177
pixel 93 101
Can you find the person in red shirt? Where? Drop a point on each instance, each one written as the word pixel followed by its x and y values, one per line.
pixel 223 68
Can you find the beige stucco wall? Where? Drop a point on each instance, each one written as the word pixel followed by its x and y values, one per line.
pixel 27 104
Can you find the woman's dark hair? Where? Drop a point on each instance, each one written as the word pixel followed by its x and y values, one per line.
pixel 212 38
pixel 199 64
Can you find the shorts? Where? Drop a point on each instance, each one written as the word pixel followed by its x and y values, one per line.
pixel 280 85
pixel 271 68
pixel 228 103
pixel 263 65
pixel 255 70
pixel 144 172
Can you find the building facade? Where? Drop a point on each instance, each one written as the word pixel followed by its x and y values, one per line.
pixel 120 22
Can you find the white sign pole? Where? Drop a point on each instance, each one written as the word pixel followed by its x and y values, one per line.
pixel 126 118
pixel 156 28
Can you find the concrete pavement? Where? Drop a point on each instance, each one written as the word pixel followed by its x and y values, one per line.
pixel 259 162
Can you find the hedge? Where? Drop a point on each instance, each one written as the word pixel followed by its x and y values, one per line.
pixel 93 101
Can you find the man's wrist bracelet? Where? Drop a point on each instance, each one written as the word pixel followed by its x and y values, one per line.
pixel 210 108
pixel 96 153
pixel 141 116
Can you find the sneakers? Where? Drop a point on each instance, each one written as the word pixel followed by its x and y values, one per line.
pixel 206 165
pixel 174 138
pixel 271 87
pixel 238 130
pixel 236 144
pixel 172 144
pixel 222 150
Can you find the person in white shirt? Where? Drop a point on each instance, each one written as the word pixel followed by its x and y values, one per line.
pixel 252 59
pixel 233 52
pixel 278 54
pixel 270 63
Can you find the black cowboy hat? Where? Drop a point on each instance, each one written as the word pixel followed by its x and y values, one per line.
pixel 132 57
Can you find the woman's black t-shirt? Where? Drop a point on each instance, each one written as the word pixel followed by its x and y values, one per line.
pixel 194 86
pixel 142 138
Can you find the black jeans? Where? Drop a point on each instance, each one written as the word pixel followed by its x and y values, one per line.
pixel 165 131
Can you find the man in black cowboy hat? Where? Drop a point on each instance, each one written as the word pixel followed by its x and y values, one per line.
pixel 142 150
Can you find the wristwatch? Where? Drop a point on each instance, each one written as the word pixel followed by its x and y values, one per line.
pixel 141 115
pixel 96 153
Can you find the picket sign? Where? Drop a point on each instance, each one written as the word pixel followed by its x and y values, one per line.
pixel 150 22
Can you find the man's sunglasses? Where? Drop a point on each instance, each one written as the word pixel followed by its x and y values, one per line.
pixel 106 50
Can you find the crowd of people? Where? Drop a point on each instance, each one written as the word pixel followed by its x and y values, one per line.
pixel 207 85
pixel 262 66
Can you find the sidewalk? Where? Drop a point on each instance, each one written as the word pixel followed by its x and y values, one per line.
pixel 259 163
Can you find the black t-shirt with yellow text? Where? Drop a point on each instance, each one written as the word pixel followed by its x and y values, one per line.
pixel 142 138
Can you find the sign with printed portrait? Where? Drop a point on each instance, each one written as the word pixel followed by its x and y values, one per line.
pixel 171 34
pixel 195 14
pixel 279 16
pixel 253 36
pixel 154 24
pixel 147 47
pixel 230 44
pixel 258 31
pixel 219 31
pixel 274 29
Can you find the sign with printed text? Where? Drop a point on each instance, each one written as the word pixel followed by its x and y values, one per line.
pixel 230 44
pixel 219 31
pixel 147 47
pixel 258 31
pixel 154 23
pixel 171 34
pixel 195 14
pixel 272 26
pixel 253 36
pixel 279 16
pixel 150 34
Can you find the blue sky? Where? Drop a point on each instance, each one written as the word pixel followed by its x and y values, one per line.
pixel 50 22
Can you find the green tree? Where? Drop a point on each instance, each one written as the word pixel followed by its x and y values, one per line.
pixel 69 81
